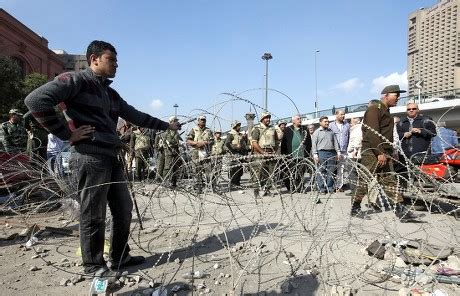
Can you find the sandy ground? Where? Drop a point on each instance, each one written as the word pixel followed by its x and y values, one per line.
pixel 280 244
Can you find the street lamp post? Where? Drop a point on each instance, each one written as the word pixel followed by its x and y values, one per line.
pixel 267 56
pixel 316 88
pixel 175 109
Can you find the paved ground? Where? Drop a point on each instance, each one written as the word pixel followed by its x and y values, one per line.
pixel 277 244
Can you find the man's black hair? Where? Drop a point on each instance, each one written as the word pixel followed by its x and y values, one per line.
pixel 322 118
pixel 97 47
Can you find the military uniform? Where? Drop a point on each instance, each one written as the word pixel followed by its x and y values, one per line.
pixel 171 140
pixel 160 152
pixel 142 148
pixel 200 155
pixel 377 139
pixel 13 135
pixel 236 145
pixel 263 164
pixel 38 137
pixel 217 151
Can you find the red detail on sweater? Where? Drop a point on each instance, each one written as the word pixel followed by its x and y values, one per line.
pixel 65 77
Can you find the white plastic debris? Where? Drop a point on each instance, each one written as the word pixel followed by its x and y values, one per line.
pixel 31 242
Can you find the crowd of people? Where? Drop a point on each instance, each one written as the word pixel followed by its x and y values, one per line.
pixel 103 152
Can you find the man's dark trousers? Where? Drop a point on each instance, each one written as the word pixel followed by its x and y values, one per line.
pixel 100 181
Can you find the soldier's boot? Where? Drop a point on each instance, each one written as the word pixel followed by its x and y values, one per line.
pixel 405 215
pixel 256 193
pixel 357 212
pixel 374 208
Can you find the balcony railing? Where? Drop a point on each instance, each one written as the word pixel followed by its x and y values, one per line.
pixel 424 98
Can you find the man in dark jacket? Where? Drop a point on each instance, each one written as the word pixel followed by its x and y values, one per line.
pixel 415 133
pixel 92 111
pixel 296 145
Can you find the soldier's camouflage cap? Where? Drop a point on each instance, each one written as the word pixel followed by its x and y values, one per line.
pixel 281 122
pixel 236 123
pixel 265 114
pixel 172 118
pixel 202 117
pixel 15 111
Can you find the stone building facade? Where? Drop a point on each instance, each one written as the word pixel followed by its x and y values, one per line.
pixel 28 48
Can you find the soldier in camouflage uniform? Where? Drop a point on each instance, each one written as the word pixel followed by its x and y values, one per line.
pixel 160 152
pixel 236 145
pixel 13 134
pixel 375 156
pixel 171 141
pixel 200 139
pixel 217 151
pixel 264 143
pixel 37 141
pixel 142 146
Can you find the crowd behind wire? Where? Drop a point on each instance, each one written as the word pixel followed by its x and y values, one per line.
pixel 299 158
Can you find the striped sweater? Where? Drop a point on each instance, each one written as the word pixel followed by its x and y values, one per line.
pixel 89 100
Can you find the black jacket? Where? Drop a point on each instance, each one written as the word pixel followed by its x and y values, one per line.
pixel 417 142
pixel 286 141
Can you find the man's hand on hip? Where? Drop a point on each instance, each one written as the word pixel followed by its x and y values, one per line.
pixel 81 133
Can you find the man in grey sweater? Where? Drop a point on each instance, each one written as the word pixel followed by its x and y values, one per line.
pixel 92 109
pixel 326 151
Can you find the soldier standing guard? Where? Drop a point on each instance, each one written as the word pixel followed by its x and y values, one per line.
pixel 159 149
pixel 37 142
pixel 264 142
pixel 375 156
pixel 236 145
pixel 141 138
pixel 171 140
pixel 217 152
pixel 14 135
pixel 200 139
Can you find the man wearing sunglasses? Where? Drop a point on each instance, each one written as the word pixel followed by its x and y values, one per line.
pixel 415 133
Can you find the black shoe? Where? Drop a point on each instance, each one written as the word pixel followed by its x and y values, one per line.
pixel 374 209
pixel 405 215
pixel 256 193
pixel 357 212
pixel 128 261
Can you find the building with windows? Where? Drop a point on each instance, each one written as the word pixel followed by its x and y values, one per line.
pixel 27 47
pixel 72 62
pixel 433 51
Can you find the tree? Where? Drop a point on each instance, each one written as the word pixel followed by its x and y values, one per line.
pixel 10 85
pixel 31 82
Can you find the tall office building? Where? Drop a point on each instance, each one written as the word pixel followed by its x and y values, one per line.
pixel 433 52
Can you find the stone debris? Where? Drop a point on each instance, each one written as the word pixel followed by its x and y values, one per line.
pixel 180 287
pixel 77 279
pixel 177 260
pixel 34 268
pixel 64 282
pixel 202 285
pixel 195 275
pixel 216 266
pixel 341 291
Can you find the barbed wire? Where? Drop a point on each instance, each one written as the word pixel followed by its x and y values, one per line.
pixel 249 244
